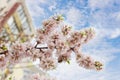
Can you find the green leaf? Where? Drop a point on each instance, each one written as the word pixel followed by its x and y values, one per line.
pixel 70 27
pixel 68 61
pixel 23 40
pixel 60 17
pixel 83 33
pixel 91 29
pixel 10 78
pixel 4 47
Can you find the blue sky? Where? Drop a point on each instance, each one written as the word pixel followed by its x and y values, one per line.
pixel 104 16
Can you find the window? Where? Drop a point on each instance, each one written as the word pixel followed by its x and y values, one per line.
pixel 21 13
pixel 26 27
pixel 3 35
pixel 10 21
pixel 23 18
pixel 13 27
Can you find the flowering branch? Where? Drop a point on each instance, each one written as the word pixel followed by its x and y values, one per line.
pixel 61 41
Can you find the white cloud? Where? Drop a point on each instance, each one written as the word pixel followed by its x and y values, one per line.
pixel 67 71
pixel 34 7
pixel 41 1
pixel 107 25
pixel 98 3
pixel 115 33
pixel 37 11
pixel 53 6
pixel 116 15
pixel 37 8
pixel 74 16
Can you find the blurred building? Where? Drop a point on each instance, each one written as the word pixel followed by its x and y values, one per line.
pixel 15 21
pixel 23 71
pixel 16 24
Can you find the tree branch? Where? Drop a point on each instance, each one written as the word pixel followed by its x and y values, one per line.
pixel 4 52
pixel 41 47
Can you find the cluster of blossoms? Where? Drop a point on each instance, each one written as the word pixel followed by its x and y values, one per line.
pixel 60 43
pixel 86 61
pixel 3 56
